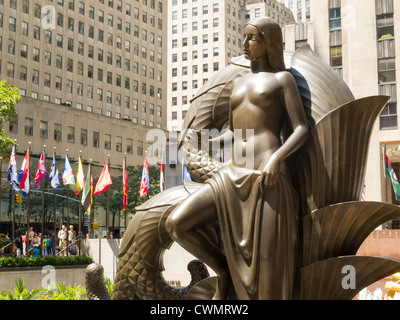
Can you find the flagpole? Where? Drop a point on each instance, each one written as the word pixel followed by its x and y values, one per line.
pixel 55 208
pixel 28 201
pixel 91 230
pixel 108 204
pixel 80 212
pixel 67 211
pixel 123 189
pixel 13 209
pixel 42 230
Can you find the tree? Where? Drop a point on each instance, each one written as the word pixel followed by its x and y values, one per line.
pixel 9 97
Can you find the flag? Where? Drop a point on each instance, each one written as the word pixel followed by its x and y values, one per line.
pixel 391 174
pixel 87 191
pixel 41 171
pixel 12 176
pixel 53 177
pixel 125 187
pixel 80 178
pixel 68 175
pixel 145 183
pixel 364 195
pixel 24 175
pixel 186 174
pixel 104 181
pixel 162 181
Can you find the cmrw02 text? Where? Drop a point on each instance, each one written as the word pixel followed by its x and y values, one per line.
pixel 209 309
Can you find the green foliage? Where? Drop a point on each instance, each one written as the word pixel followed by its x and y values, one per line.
pixel 9 97
pixel 60 292
pixel 110 286
pixel 22 293
pixel 63 292
pixel 44 261
pixel 385 36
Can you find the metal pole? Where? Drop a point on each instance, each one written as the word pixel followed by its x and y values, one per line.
pixel 28 201
pixel 67 187
pixel 43 183
pixel 55 210
pixel 108 204
pixel 80 214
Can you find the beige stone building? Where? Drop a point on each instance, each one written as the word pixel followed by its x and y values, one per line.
pixel 358 40
pixel 204 37
pixel 92 74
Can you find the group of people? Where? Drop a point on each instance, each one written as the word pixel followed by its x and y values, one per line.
pixel 32 244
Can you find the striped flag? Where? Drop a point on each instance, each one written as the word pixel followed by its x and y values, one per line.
pixel 80 178
pixel 24 175
pixel 12 176
pixel 88 191
pixel 53 177
pixel 41 171
pixel 364 195
pixel 145 183
pixel 392 175
pixel 162 179
pixel 68 175
pixel 104 181
pixel 125 186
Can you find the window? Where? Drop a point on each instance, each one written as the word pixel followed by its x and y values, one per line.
pixel 24 28
pixel 386 70
pixel 129 146
pixel 107 141
pixel 24 50
pixel 118 144
pixel 35 76
pixel 388 117
pixel 71 135
pixel 96 139
pixel 36 54
pixel 84 135
pixel 47 79
pixel 23 73
pixel 57 132
pixel 43 129
pixel 29 126
pixel 385 26
pixel 336 56
pixel 335 21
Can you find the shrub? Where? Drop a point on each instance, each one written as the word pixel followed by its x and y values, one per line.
pixel 44 261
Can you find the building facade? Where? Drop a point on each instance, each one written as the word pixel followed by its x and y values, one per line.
pixel 204 37
pixel 101 60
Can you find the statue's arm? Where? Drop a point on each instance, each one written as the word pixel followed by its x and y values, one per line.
pixel 295 111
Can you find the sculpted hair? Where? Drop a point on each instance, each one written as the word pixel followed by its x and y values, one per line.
pixel 272 33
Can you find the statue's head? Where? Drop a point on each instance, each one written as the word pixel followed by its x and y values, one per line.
pixel 271 35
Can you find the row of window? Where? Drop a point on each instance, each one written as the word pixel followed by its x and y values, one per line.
pixel 195 12
pixel 71 136
pixel 81 6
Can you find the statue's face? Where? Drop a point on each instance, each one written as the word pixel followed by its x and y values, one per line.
pixel 253 43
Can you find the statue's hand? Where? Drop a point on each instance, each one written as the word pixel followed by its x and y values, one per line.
pixel 270 173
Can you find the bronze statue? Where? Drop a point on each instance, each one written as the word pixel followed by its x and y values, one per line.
pixel 256 206
pixel 285 226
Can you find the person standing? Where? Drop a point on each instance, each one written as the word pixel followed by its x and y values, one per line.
pixel 62 237
pixel 71 240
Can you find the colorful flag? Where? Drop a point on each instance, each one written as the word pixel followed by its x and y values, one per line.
pixel 145 183
pixel 104 181
pixel 80 178
pixel 87 191
pixel 186 174
pixel 68 175
pixel 53 176
pixel 41 171
pixel 12 176
pixel 24 175
pixel 125 187
pixel 390 174
pixel 162 180
pixel 364 195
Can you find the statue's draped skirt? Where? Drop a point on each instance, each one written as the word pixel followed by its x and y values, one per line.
pixel 259 230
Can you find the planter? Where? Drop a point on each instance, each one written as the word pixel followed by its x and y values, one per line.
pixel 35 277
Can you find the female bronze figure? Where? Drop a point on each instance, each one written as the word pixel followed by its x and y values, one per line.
pixel 254 203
